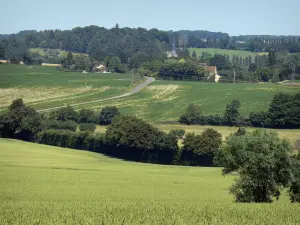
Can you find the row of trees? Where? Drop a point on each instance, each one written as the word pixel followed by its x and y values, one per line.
pixel 262 160
pixel 283 113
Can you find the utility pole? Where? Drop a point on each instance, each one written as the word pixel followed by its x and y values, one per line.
pixel 132 77
pixel 234 75
pixel 293 74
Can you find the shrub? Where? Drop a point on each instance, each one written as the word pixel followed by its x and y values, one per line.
pixel 90 127
pixel 240 131
pixel 60 125
pixel 258 119
pixel 107 114
pixel 192 115
pixel 178 133
pixel 87 116
pixel 64 114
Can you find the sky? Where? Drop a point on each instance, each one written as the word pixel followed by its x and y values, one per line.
pixel 236 17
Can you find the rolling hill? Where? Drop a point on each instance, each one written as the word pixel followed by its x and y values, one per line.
pixel 73 186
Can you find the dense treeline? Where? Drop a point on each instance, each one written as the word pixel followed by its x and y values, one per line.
pixel 284 112
pixel 262 160
pixel 126 137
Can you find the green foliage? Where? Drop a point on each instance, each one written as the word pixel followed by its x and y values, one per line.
pixel 64 114
pixel 62 138
pixel 232 113
pixel 87 116
pixel 181 70
pixel 284 111
pixel 90 127
pixel 11 121
pixel 240 131
pixel 60 125
pixel 263 164
pixel 220 62
pixel 29 128
pixel 294 190
pixel 139 141
pixel 178 133
pixel 107 114
pixel 192 115
pixel 200 149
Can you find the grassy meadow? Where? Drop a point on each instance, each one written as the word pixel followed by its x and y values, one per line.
pixel 50 185
pixel 46 87
pixel 213 51
pixel 164 101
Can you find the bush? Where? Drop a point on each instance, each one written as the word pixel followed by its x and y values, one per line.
pixel 178 133
pixel 258 119
pixel 90 127
pixel 240 131
pixel 107 114
pixel 87 116
pixel 192 115
pixel 61 125
pixel 64 114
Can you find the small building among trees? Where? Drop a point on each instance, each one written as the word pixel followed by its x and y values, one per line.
pixel 99 69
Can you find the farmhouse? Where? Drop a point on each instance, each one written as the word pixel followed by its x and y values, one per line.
pixel 99 69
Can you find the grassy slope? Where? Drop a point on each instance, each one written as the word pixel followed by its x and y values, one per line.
pixel 213 51
pixel 49 185
pixel 38 85
pixel 167 100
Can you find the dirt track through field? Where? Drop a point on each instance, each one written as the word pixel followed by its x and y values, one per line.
pixel 136 89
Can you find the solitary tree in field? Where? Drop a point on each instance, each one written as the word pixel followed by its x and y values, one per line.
pixel 262 161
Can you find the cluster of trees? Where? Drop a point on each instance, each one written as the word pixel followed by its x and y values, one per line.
pixel 274 66
pixel 180 70
pixel 283 113
pixel 25 123
pixel 262 160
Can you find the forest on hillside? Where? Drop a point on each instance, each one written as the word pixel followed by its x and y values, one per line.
pixel 123 49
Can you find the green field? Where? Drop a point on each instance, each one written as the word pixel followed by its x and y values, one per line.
pixel 58 52
pixel 46 87
pixel 166 100
pixel 49 185
pixel 213 51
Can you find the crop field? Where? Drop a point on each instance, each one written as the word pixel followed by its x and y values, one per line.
pixel 213 51
pixel 46 87
pixel 164 101
pixel 50 185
